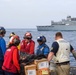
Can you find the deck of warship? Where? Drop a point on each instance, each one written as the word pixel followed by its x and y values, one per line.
pixel 72 70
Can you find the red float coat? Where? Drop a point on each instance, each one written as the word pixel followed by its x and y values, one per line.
pixel 27 47
pixel 11 60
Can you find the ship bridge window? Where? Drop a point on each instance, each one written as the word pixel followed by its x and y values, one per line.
pixel 73 19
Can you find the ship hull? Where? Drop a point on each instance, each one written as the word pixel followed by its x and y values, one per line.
pixel 57 27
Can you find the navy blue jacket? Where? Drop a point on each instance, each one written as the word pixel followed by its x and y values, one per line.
pixel 2 48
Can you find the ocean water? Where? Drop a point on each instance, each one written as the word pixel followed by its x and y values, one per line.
pixel 68 35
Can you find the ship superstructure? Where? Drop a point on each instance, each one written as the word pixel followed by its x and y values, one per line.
pixel 65 24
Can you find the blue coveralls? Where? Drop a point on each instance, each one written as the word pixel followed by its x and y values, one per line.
pixel 2 52
pixel 42 49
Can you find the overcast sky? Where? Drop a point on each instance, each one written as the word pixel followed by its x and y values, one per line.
pixel 30 13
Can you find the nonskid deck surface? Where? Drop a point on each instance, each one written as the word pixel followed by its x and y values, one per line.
pixel 72 70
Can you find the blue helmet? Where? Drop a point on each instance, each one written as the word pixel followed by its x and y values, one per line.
pixel 2 30
pixel 41 39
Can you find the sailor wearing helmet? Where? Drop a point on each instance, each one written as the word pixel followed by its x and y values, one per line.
pixel 27 45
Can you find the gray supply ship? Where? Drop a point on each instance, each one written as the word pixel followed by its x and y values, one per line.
pixel 66 24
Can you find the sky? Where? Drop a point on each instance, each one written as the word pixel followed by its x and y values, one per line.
pixel 30 13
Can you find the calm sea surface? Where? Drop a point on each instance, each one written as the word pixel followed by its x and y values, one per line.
pixel 68 35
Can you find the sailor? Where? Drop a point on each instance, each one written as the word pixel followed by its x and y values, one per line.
pixel 27 45
pixel 2 48
pixel 60 53
pixel 11 59
pixel 42 47
pixel 12 34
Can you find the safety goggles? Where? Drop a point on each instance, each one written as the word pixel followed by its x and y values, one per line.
pixel 39 40
pixel 27 38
